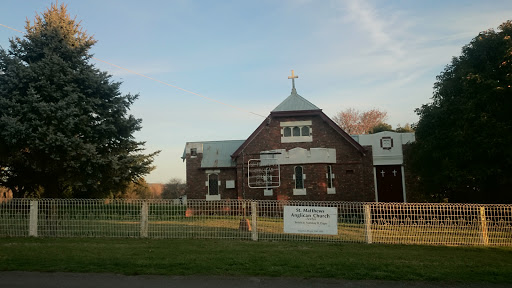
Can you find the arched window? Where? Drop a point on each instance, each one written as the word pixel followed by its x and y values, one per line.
pixel 296 131
pixel 305 131
pixel 299 179
pixel 213 184
pixel 287 131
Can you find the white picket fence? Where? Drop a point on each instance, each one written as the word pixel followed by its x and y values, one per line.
pixel 392 223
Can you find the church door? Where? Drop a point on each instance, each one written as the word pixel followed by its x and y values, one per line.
pixel 389 183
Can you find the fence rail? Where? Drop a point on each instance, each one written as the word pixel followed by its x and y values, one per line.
pixel 392 223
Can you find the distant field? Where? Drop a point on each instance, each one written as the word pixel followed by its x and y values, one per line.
pixel 248 258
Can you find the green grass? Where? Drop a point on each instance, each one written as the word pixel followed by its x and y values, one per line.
pixel 247 258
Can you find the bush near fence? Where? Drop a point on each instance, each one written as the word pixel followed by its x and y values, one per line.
pixel 392 223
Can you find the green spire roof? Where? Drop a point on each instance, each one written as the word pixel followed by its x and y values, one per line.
pixel 295 102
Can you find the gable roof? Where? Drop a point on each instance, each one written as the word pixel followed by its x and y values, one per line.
pixel 295 102
pixel 296 105
pixel 319 113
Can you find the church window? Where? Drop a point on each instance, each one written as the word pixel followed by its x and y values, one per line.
pixel 193 151
pixel 305 131
pixel 287 132
pixel 299 176
pixel 329 176
pixel 299 179
pixel 296 131
pixel 213 184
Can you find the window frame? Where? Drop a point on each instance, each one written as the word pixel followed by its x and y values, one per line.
pixel 329 176
pixel 330 180
pixel 216 182
pixel 296 190
pixel 295 131
pixel 289 130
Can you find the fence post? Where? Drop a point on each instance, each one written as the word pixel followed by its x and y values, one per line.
pixel 144 220
pixel 32 228
pixel 254 225
pixel 483 221
pixel 367 224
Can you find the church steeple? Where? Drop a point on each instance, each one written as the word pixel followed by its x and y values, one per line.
pixel 295 102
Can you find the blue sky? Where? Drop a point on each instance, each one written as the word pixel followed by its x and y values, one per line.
pixel 348 54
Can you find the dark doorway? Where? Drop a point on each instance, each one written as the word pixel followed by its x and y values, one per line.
pixel 389 183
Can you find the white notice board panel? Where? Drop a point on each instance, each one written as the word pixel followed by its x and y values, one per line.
pixel 311 220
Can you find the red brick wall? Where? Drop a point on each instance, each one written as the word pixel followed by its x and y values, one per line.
pixel 195 183
pixel 357 185
pixel 197 176
pixel 353 171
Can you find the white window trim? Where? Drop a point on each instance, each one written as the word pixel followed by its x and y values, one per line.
pixel 294 139
pixel 296 123
pixel 299 191
pixel 213 197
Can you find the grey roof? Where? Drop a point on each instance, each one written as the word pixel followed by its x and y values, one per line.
pixel 218 153
pixel 295 102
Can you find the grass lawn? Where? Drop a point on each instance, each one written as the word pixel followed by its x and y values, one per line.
pixel 247 258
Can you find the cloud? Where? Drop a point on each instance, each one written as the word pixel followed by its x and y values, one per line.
pixel 368 18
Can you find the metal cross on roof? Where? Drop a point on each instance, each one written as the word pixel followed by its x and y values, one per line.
pixel 293 81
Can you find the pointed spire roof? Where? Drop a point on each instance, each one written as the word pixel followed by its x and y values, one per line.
pixel 295 102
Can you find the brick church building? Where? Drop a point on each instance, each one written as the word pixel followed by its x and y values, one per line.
pixel 298 153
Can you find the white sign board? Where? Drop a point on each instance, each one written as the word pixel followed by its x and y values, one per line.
pixel 311 220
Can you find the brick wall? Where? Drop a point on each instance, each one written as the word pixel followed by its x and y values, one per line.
pixel 353 171
pixel 197 177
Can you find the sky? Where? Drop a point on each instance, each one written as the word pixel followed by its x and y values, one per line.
pixel 235 57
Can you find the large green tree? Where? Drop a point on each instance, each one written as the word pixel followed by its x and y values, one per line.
pixel 463 151
pixel 65 130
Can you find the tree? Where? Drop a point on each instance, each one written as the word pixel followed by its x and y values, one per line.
pixel 463 149
pixel 64 127
pixel 173 189
pixel 405 129
pixel 5 194
pixel 135 190
pixel 380 128
pixel 356 122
